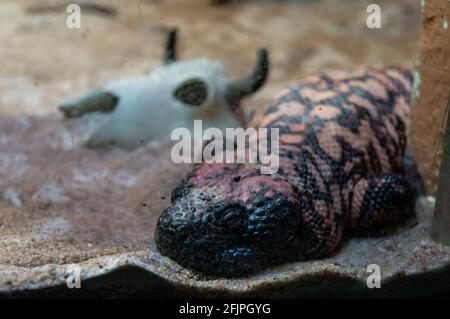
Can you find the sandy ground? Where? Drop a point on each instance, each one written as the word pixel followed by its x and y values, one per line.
pixel 60 203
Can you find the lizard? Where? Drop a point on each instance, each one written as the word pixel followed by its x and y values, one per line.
pixel 343 138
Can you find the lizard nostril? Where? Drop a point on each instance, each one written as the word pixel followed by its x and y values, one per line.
pixel 165 219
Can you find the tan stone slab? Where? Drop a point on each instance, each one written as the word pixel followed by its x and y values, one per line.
pixel 433 86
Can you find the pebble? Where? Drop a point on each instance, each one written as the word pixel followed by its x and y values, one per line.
pixel 13 197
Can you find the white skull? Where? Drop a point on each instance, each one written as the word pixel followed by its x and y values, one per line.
pixel 146 108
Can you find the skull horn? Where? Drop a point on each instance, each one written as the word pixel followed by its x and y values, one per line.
pixel 94 101
pixel 171 54
pixel 239 89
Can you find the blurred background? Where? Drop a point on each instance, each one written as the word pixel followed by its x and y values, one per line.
pixel 44 62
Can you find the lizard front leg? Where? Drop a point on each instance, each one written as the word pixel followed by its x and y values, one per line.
pixel 379 201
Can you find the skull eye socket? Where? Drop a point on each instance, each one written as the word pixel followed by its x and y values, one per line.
pixel 193 92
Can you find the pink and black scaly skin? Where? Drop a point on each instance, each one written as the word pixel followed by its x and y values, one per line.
pixel 342 146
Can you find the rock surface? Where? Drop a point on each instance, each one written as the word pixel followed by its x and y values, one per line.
pixel 411 265
pixel 63 206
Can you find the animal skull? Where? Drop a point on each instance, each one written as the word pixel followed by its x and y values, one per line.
pixel 146 108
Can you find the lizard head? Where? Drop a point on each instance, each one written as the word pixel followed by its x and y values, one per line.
pixel 227 223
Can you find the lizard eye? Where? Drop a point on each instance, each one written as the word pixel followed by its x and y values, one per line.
pixel 230 217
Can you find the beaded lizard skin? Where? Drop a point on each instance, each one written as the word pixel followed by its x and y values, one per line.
pixel 342 146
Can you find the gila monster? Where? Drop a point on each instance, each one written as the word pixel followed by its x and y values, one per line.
pixel 341 171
